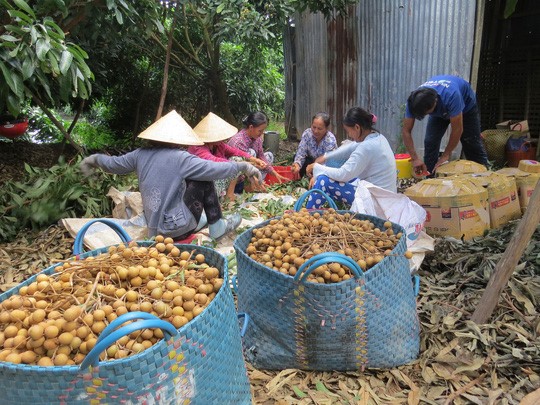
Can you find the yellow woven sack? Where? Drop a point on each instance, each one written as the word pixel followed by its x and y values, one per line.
pixel 495 142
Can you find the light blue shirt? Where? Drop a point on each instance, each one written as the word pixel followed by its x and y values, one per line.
pixel 371 160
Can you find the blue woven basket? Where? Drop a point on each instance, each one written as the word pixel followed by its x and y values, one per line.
pixel 202 364
pixel 367 321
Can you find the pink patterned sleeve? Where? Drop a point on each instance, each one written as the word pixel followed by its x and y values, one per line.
pixel 258 148
pixel 234 151
pixel 204 153
pixel 237 142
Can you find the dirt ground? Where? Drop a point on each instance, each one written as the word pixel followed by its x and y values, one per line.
pixel 13 156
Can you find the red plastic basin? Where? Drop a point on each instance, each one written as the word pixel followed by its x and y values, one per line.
pixel 13 130
pixel 284 171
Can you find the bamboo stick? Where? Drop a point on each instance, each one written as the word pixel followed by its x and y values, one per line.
pixel 505 267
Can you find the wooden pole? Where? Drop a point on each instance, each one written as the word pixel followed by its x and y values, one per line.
pixel 504 269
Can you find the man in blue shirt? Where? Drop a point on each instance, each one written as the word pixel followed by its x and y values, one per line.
pixel 447 100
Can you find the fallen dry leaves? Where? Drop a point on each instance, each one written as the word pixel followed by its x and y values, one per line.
pixel 460 362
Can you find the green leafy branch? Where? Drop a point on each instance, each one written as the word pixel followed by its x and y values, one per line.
pixel 45 196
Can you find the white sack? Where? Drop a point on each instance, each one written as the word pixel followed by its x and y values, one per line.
pixel 395 207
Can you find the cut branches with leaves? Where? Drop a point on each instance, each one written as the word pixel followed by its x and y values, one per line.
pixel 46 195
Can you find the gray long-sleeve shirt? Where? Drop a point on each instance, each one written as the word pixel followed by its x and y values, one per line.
pixel 162 173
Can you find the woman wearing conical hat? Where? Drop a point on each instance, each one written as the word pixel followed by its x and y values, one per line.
pixel 214 131
pixel 177 188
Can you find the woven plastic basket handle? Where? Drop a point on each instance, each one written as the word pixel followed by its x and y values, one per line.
pixel 78 244
pixel 102 344
pixel 302 198
pixel 122 319
pixel 329 257
pixel 234 284
pixel 416 284
pixel 246 322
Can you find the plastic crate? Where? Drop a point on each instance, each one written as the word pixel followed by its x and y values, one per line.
pixel 284 171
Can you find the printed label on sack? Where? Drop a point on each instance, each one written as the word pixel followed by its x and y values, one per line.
pixel 501 203
pixel 468 214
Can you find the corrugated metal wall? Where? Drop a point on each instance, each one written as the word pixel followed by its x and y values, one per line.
pixel 377 55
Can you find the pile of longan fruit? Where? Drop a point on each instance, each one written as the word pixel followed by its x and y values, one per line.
pixel 56 319
pixel 285 244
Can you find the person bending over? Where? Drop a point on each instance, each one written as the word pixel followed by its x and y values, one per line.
pixel 448 100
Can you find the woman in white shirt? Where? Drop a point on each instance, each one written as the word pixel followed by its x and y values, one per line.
pixel 369 157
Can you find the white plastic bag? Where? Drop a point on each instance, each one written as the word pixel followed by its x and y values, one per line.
pixel 398 208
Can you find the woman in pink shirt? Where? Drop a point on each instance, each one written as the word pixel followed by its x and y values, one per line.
pixel 249 139
pixel 213 131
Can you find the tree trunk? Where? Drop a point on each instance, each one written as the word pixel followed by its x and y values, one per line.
pixel 506 266
pixel 220 89
pixel 57 124
pixel 166 69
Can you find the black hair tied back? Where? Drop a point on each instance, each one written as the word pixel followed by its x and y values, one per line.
pixel 255 118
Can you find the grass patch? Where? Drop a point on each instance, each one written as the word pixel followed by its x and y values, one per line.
pixel 279 127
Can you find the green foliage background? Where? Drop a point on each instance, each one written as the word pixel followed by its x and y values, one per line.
pixel 45 196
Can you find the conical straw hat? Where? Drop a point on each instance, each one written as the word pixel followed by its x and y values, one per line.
pixel 171 128
pixel 214 129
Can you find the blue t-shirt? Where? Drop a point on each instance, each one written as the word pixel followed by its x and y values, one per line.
pixel 455 96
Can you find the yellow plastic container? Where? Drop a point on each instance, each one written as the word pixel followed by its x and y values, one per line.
pixel 404 165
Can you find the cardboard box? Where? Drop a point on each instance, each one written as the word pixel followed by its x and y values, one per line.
pixel 503 207
pixel 512 125
pixel 503 201
pixel 454 207
pixel 525 182
pixel 464 222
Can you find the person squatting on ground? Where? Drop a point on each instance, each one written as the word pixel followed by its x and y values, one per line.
pixel 315 142
pixel 447 100
pixel 176 187
pixel 213 131
pixel 369 158
pixel 249 139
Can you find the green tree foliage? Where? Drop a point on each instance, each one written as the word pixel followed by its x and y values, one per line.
pixel 37 61
pixel 262 86
pixel 57 52
pixel 204 27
